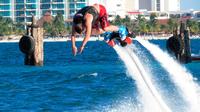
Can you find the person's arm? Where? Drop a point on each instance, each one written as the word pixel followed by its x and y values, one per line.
pixel 73 40
pixel 88 25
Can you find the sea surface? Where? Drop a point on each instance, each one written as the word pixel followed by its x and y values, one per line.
pixel 94 81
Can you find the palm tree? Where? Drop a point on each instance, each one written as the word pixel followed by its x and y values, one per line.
pixel 68 28
pixel 6 26
pixel 59 24
pixel 47 28
pixel 126 21
pixel 172 24
pixel 163 27
pixel 194 28
pixel 153 23
pixel 117 20
pixel 142 24
pixel 18 28
pixel 9 25
pixel 189 23
pixel 2 28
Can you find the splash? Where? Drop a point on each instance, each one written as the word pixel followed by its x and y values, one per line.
pixel 178 74
pixel 148 93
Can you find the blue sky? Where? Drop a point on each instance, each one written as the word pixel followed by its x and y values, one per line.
pixel 190 4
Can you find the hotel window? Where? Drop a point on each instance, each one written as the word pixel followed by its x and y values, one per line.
pixel 19 13
pixel 77 0
pixel 158 5
pixel 19 7
pixel 71 6
pixel 30 1
pixel 28 19
pixel 58 0
pixel 19 1
pixel 80 5
pixel 31 6
pixel 5 13
pixel 58 6
pixel 45 1
pixel 80 0
pixel 4 7
pixel 45 6
pixel 4 1
pixel 20 19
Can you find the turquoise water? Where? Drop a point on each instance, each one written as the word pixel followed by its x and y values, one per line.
pixel 93 81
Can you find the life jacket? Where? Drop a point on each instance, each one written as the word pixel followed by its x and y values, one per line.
pixel 81 13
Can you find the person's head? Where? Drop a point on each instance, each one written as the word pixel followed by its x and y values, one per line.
pixel 78 23
pixel 78 28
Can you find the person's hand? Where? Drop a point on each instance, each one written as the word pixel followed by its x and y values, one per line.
pixel 81 49
pixel 74 50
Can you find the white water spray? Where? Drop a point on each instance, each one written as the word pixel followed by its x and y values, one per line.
pixel 180 76
pixel 151 99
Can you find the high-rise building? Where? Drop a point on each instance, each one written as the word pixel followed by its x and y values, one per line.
pixel 145 4
pixel 22 10
pixel 172 5
pixel 6 8
pixel 131 5
pixel 117 7
pixel 74 6
pixel 160 5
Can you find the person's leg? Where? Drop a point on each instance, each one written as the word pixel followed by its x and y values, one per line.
pixel 107 38
pixel 111 28
pixel 103 20
pixel 97 31
pixel 105 25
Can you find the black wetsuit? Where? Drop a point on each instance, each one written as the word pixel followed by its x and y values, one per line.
pixel 83 11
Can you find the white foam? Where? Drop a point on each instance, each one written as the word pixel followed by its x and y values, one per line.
pixel 147 91
pixel 178 74
pixel 92 74
pixel 126 105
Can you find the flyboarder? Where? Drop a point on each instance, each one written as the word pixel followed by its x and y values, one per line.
pixel 94 20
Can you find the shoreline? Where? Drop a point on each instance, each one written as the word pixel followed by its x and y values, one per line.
pixel 63 39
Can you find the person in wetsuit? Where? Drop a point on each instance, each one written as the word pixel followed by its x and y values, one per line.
pixel 88 20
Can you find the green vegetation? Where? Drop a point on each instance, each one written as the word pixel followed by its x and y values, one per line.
pixel 57 26
pixel 140 26
pixel 8 27
pixel 193 26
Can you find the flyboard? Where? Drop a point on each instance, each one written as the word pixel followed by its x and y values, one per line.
pixel 121 37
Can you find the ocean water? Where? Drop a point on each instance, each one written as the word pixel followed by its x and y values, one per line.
pixel 94 81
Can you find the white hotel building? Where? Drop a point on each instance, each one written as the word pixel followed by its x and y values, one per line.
pixel 135 7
